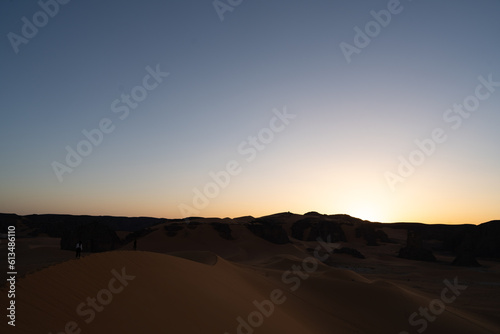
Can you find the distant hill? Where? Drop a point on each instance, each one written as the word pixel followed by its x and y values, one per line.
pixel 54 225
pixel 477 240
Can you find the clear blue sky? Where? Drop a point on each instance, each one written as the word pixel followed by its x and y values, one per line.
pixel 340 152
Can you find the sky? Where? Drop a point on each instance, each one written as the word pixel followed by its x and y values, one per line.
pixel 383 110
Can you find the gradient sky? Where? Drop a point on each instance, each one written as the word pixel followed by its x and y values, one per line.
pixel 227 80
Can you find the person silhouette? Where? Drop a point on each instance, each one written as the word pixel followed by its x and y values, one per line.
pixel 79 247
pixel 135 244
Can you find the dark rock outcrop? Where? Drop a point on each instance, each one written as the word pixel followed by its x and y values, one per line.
pixel 466 253
pixel 414 249
pixel 268 230
pixel 367 231
pixel 312 228
pixel 466 259
pixel 350 251
pixel 223 229
pixel 486 240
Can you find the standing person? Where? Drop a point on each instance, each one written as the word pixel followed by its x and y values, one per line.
pixel 79 247
pixel 135 244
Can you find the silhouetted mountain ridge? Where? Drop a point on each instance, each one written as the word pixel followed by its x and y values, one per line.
pixel 466 240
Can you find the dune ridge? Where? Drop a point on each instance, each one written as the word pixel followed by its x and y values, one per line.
pixel 181 295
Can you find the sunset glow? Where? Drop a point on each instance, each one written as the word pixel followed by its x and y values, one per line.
pixel 165 110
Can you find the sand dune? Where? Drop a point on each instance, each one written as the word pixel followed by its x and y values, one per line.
pixel 195 292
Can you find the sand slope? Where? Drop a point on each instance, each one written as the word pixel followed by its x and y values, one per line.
pixel 245 247
pixel 158 293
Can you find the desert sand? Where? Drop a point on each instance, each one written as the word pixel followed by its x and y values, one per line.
pixel 198 282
